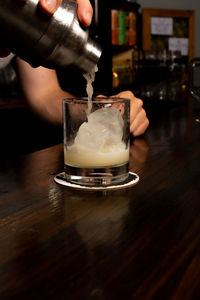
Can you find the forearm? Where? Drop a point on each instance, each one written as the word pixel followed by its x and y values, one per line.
pixel 42 91
pixel 49 107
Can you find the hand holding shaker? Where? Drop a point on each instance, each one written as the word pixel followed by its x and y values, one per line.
pixel 50 41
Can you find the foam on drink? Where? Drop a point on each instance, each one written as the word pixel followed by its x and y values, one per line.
pixel 98 142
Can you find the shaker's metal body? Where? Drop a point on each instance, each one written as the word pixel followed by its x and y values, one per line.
pixel 50 41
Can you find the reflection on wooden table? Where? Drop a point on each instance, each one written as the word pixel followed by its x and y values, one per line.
pixel 137 243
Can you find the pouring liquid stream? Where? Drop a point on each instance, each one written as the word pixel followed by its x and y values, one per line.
pixel 90 77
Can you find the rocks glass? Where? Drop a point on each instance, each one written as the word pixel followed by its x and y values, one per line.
pixel 96 140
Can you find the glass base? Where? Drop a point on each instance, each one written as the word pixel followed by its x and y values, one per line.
pixel 97 176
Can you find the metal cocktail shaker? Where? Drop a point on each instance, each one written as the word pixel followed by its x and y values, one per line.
pixel 50 41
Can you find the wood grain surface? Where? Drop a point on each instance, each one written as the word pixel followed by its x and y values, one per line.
pixel 137 243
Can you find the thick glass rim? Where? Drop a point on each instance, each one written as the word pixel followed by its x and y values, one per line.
pixel 95 100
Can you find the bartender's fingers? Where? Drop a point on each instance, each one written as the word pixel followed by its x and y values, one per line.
pixel 84 11
pixel 50 6
pixel 139 124
pixel 138 118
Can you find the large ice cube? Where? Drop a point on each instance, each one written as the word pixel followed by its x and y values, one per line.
pixel 103 131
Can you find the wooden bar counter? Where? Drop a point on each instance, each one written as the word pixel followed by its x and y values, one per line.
pixel 142 242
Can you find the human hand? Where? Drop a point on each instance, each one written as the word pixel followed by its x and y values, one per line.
pixel 138 118
pixel 84 11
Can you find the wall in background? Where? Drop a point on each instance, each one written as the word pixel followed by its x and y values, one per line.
pixel 179 4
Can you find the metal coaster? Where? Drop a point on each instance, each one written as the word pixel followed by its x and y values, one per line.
pixel 132 179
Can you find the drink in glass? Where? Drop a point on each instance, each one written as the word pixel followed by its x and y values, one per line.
pixel 96 141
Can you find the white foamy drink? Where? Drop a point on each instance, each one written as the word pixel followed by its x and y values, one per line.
pixel 98 142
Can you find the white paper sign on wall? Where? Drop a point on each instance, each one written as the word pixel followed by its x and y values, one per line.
pixel 178 44
pixel 161 26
